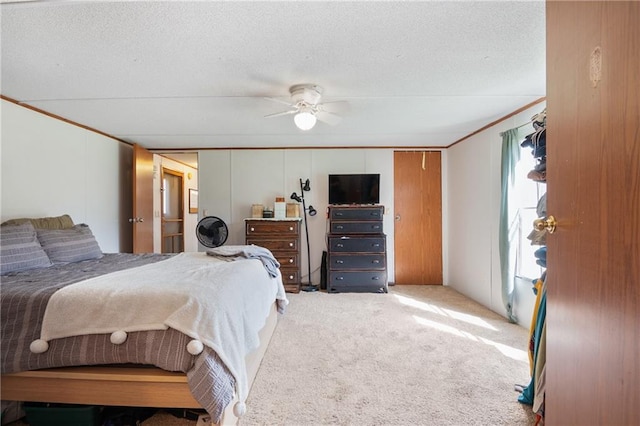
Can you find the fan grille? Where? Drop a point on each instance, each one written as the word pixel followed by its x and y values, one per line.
pixel 212 231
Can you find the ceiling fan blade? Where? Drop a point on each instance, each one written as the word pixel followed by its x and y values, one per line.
pixel 334 107
pixel 280 101
pixel 328 117
pixel 278 114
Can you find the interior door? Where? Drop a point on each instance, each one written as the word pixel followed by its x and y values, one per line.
pixel 418 217
pixel 142 218
pixel 593 184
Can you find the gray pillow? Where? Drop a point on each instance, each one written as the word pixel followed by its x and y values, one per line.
pixel 69 245
pixel 20 249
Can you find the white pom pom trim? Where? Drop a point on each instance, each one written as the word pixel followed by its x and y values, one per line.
pixel 240 409
pixel 39 346
pixel 195 347
pixel 118 337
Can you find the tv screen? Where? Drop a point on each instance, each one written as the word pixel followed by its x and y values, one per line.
pixel 354 189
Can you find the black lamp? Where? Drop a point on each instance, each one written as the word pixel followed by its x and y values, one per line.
pixel 304 186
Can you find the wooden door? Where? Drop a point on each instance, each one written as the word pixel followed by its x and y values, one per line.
pixel 142 218
pixel 418 217
pixel 593 184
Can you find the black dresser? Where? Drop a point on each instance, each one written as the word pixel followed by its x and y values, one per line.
pixel 357 250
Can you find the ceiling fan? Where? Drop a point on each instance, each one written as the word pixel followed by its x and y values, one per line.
pixel 305 104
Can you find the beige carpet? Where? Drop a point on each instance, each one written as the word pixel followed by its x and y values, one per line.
pixel 420 355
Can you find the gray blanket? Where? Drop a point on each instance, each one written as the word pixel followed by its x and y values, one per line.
pixel 248 252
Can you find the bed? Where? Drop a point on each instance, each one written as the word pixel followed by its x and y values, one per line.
pixel 59 345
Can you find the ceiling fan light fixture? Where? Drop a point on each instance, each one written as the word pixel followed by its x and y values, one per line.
pixel 305 120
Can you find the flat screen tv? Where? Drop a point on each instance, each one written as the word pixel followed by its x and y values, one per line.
pixel 354 189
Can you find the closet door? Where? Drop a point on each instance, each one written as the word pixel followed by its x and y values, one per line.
pixel 593 190
pixel 418 217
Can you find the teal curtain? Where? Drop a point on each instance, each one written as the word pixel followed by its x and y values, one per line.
pixel 508 218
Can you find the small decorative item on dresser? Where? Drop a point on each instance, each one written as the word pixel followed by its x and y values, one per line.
pixel 256 210
pixel 267 213
pixel 279 208
pixel 293 210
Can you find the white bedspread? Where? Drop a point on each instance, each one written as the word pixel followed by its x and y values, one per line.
pixel 222 304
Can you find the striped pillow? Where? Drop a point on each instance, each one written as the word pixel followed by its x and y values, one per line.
pixel 20 249
pixel 69 245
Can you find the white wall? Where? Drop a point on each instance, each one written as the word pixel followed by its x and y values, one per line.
pixel 230 181
pixel 473 205
pixel 50 168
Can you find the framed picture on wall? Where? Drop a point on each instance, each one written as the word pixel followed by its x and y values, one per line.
pixel 193 201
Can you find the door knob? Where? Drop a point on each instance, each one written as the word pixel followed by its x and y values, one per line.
pixel 397 217
pixel 549 223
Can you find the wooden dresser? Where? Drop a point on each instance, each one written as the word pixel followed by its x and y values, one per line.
pixel 282 238
pixel 357 253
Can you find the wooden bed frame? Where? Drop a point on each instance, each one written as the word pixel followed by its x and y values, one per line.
pixel 135 386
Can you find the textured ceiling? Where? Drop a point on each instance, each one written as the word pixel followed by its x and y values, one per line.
pixel 194 74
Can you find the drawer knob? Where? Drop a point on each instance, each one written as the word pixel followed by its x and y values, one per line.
pixel 290 244
pixel 339 227
pixel 339 245
pixel 375 245
pixel 375 261
pixel 375 278
pixel 340 261
pixel 291 228
pixel 338 213
pixel 252 229
pixel 339 278
pixel 290 277
pixel 290 260
pixel 376 226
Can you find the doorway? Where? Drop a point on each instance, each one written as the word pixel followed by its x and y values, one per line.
pixel 172 225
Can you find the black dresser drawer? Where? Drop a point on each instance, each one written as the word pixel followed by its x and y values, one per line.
pixel 357 281
pixel 360 213
pixel 357 261
pixel 353 227
pixel 358 245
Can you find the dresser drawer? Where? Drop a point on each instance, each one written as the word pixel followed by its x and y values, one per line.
pixel 360 213
pixel 357 261
pixel 290 276
pixel 357 280
pixel 266 227
pixel 287 259
pixel 284 244
pixel 360 244
pixel 354 227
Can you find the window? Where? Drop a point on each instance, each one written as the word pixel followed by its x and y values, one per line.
pixel 527 192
